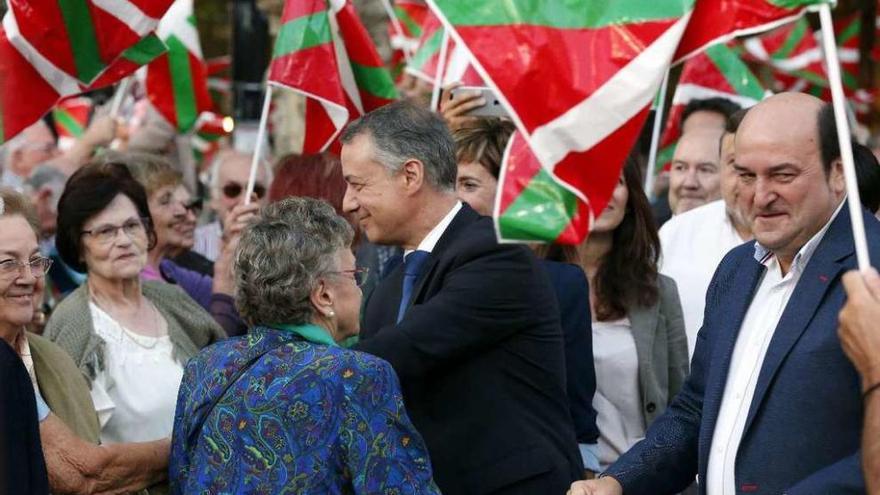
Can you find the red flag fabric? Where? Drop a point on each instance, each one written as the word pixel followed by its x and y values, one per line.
pixel 324 52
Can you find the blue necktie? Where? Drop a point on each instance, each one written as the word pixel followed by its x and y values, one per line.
pixel 412 268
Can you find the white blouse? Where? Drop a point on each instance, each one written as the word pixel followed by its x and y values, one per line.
pixel 617 401
pixel 136 392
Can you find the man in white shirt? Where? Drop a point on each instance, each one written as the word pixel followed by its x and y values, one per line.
pixel 470 326
pixel 772 405
pixel 693 243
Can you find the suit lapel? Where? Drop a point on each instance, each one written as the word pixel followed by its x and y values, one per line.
pixel 739 296
pixel 818 277
pixel 462 219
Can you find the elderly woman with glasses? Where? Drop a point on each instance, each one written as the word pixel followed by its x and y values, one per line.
pixel 68 424
pixel 173 213
pixel 287 408
pixel 130 338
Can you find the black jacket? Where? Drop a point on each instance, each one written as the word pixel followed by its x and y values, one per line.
pixel 22 468
pixel 480 359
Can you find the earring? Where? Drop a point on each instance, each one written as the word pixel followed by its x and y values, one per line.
pixel 331 314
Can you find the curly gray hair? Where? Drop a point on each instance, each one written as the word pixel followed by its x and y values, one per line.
pixel 281 256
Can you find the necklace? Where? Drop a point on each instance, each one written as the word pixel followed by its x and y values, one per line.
pixel 139 340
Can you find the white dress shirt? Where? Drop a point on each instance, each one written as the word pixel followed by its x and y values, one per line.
pixel 692 245
pixel 758 327
pixel 430 240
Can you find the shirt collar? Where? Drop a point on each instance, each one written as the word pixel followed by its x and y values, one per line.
pixel 803 256
pixel 433 237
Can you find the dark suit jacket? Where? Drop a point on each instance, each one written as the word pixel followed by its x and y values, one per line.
pixel 802 432
pixel 480 360
pixel 573 295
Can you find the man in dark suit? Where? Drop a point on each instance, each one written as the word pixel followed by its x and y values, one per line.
pixel 772 405
pixel 470 326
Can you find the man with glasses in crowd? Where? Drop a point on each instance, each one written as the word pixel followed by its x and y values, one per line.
pixel 229 178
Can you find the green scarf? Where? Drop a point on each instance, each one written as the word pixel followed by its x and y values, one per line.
pixel 311 333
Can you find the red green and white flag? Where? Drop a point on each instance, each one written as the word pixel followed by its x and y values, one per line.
pixel 209 130
pixel 716 21
pixel 52 48
pixel 792 54
pixel 597 66
pixel 71 117
pixel 404 30
pixel 177 82
pixel 718 72
pixel 425 62
pixel 324 53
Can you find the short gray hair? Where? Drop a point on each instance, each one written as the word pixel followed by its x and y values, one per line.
pixel 281 256
pixel 402 131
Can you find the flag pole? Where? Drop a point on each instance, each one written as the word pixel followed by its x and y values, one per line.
pixel 258 149
pixel 398 28
pixel 650 176
pixel 119 97
pixel 843 136
pixel 441 68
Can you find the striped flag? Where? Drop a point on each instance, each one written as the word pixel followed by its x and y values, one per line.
pixel 177 82
pixel 718 72
pixel 425 62
pixel 562 164
pixel 209 130
pixel 602 62
pixel 55 48
pixel 81 38
pixel 792 53
pixel 404 30
pixel 71 116
pixel 324 52
pixel 716 21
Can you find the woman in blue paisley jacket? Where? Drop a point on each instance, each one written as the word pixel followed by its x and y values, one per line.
pixel 287 408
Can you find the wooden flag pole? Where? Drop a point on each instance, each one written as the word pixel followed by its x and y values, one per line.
pixel 441 68
pixel 843 135
pixel 650 176
pixel 258 148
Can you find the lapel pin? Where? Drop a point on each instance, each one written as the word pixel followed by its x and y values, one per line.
pixel 823 278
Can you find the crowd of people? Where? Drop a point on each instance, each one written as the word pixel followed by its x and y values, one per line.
pixel 355 326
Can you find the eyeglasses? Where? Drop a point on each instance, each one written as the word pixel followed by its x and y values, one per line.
pixel 14 268
pixel 360 275
pixel 194 206
pixel 105 234
pixel 233 189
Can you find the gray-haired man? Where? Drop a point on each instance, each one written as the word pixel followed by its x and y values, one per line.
pixel 470 326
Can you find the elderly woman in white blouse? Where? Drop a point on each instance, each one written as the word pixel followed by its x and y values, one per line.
pixel 130 338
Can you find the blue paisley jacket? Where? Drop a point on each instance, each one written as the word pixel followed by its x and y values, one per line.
pixel 306 418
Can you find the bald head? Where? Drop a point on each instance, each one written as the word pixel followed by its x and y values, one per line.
pixel 786 117
pixel 784 188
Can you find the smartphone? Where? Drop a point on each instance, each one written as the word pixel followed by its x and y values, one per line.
pixel 493 106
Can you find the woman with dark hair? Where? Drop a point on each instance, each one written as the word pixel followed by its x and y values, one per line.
pixel 639 342
pixel 45 385
pixel 130 338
